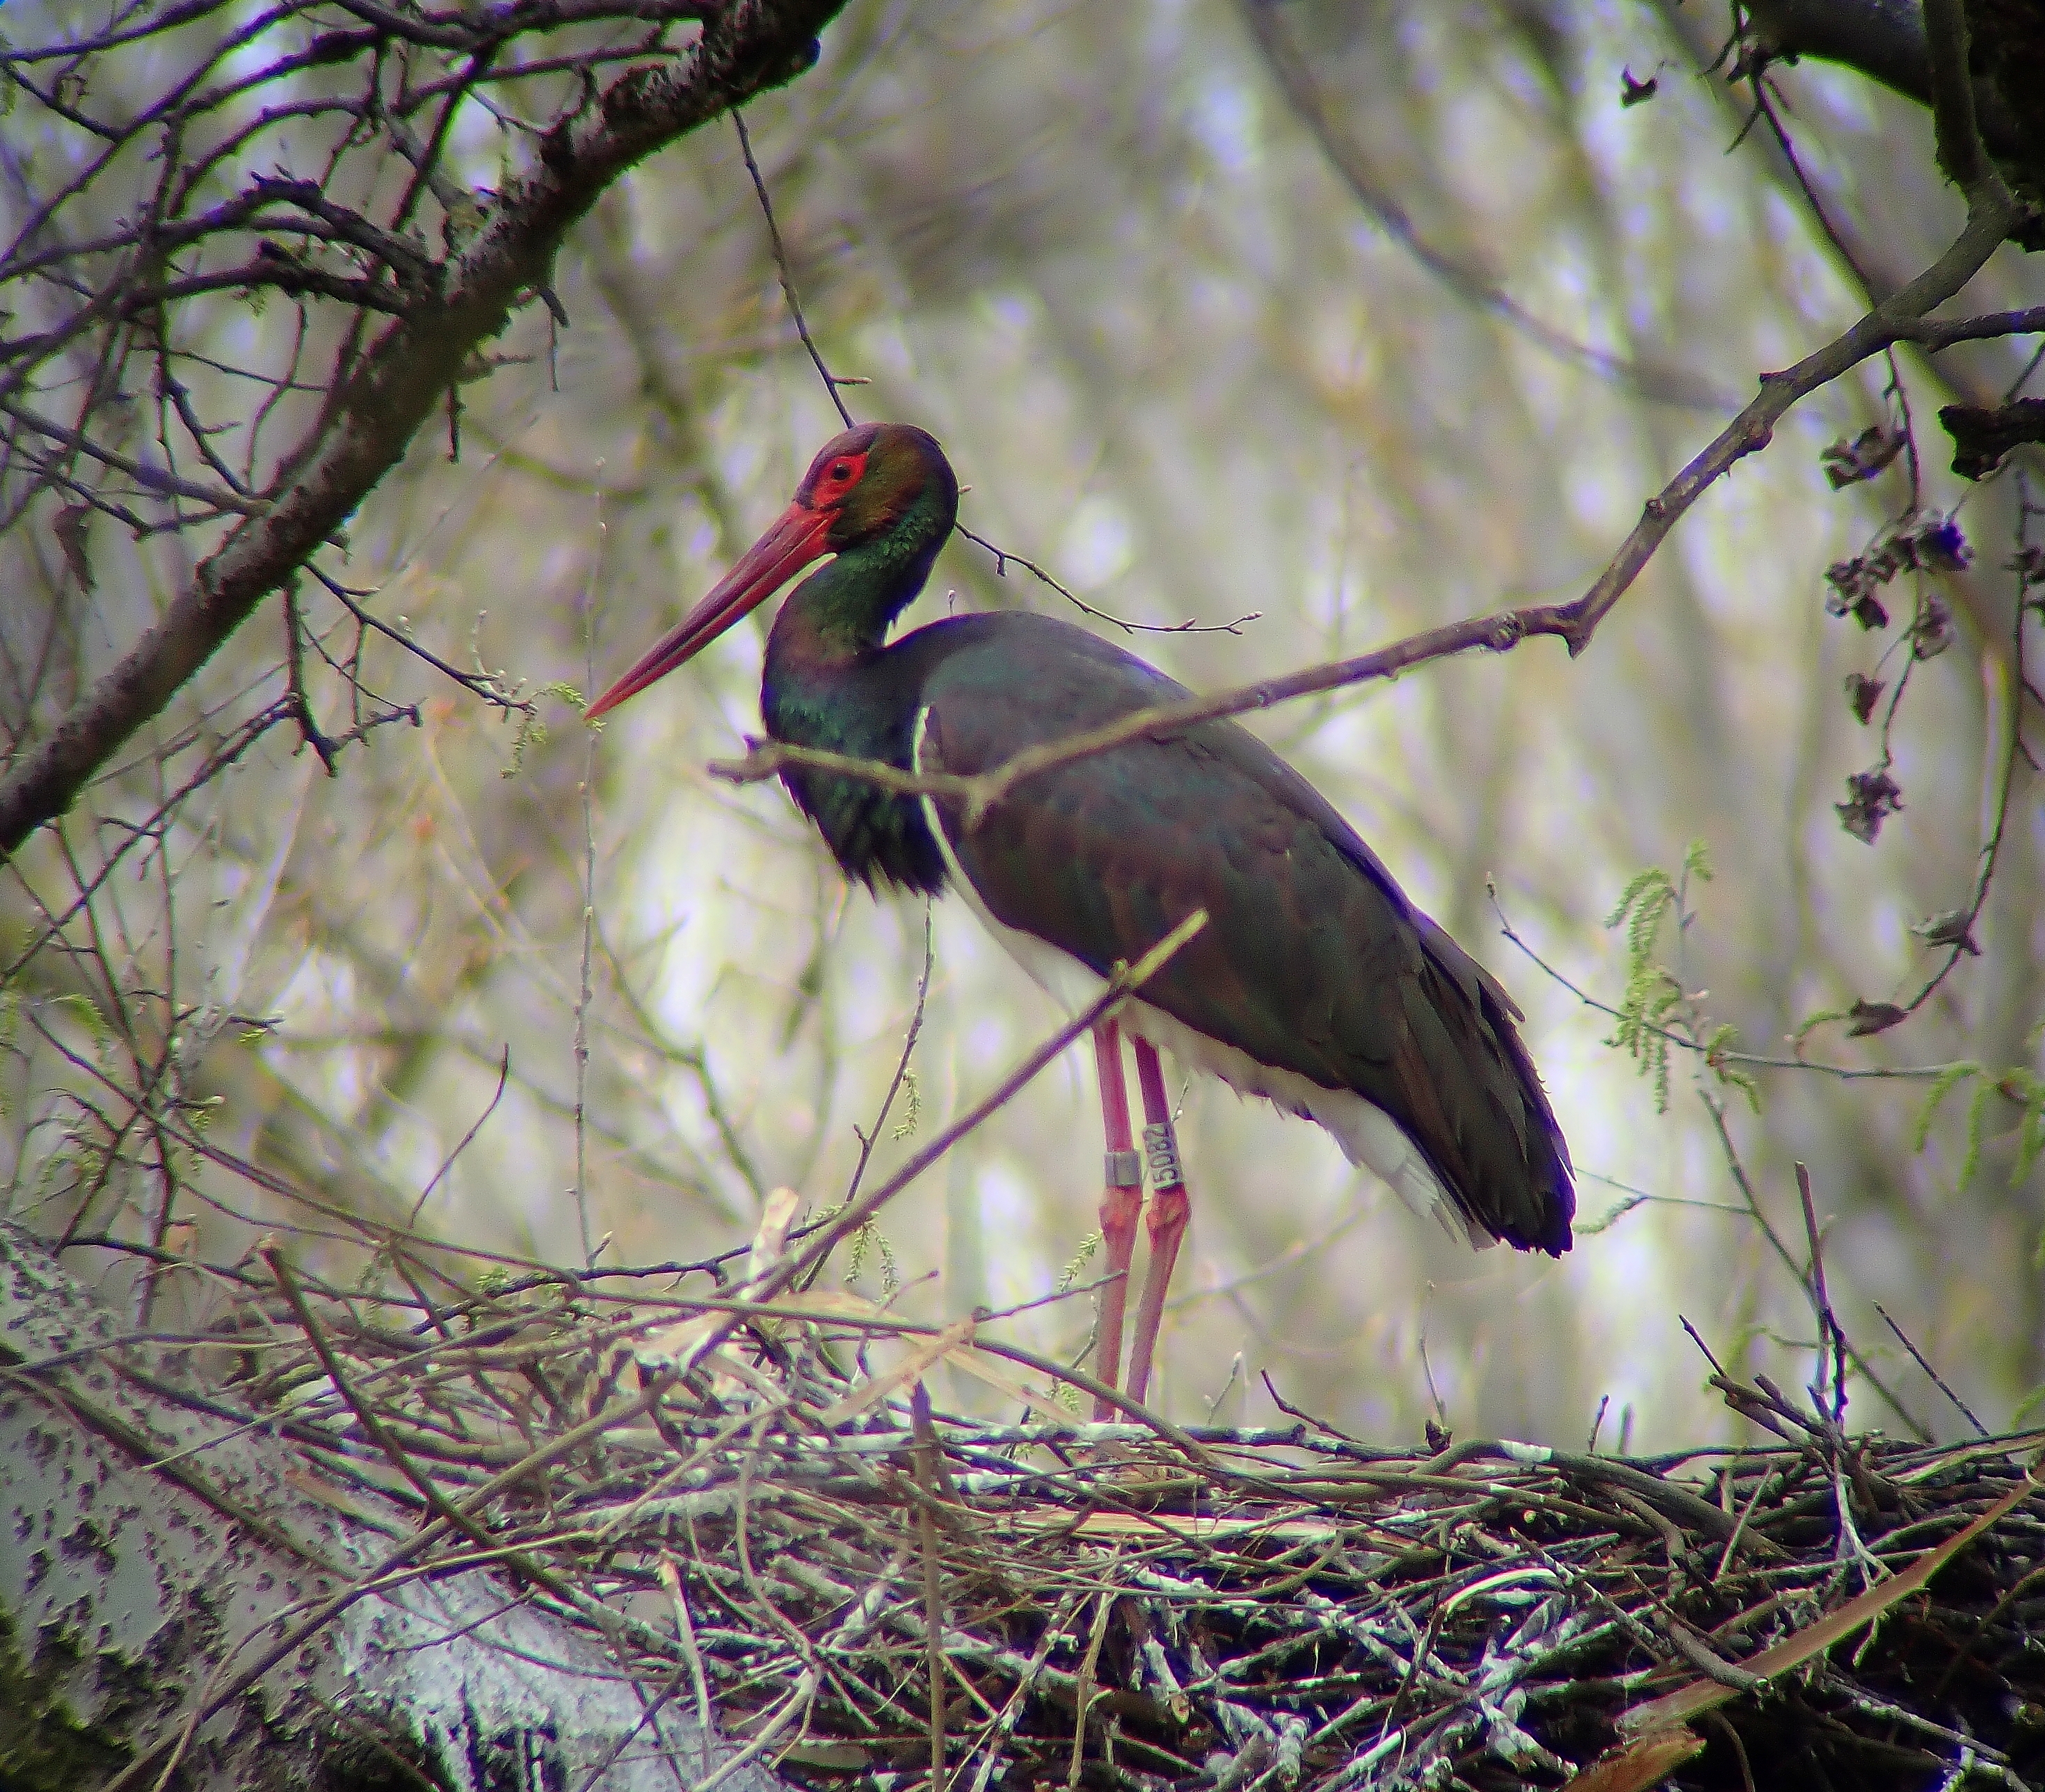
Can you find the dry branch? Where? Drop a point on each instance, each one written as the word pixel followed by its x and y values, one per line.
pixel 804 1539
pixel 1899 319
pixel 445 312
pixel 1885 40
pixel 150 1544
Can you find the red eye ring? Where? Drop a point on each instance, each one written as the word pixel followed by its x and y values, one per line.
pixel 842 470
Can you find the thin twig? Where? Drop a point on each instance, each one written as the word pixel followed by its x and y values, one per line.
pixel 1303 90
pixel 1831 1340
pixel 831 381
pixel 468 1139
pixel 1574 623
pixel 1003 560
pixel 1923 1362
pixel 819 1246
pixel 585 992
pixel 925 1458
pixel 867 1138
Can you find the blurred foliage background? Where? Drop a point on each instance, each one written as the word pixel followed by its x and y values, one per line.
pixel 1360 318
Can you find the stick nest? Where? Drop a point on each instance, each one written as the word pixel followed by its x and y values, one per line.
pixel 756 1510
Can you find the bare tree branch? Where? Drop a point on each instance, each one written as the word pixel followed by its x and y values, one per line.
pixel 1987 95
pixel 397 383
pixel 1899 319
pixel 1961 152
pixel 1883 39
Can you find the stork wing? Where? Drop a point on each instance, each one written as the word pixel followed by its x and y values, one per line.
pixel 1312 960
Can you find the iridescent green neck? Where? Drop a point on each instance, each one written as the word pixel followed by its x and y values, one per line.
pixel 843 610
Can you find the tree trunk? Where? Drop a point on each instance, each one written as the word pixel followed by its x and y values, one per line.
pixel 153 1553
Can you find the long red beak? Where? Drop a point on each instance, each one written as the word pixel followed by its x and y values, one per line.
pixel 794 539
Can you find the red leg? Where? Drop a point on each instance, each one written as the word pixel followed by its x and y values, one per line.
pixel 1120 1202
pixel 1171 1208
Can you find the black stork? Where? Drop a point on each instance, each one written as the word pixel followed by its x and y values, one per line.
pixel 1316 983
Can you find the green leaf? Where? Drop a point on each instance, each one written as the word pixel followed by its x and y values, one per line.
pixel 2031 1130
pixel 1071 1272
pixel 1811 1022
pixel 912 1106
pixel 2021 1085
pixel 869 1238
pixel 1652 991
pixel 83 1009
pixel 532 732
pixel 1977 1115
pixel 1943 1085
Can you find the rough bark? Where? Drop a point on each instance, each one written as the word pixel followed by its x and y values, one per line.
pixel 151 1549
pixel 1884 40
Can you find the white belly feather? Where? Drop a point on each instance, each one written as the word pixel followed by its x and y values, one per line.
pixel 1369 1136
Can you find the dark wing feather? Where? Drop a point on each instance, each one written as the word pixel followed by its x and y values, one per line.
pixel 1313 960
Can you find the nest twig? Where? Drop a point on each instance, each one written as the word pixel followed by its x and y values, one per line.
pixel 785 1531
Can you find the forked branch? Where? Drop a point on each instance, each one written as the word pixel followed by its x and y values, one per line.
pixel 401 377
pixel 1900 319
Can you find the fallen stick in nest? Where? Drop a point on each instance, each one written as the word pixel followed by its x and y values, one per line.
pixel 1149 1606
pixel 864 1593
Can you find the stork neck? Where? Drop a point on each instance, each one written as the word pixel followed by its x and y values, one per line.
pixel 842 612
pixel 830 683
